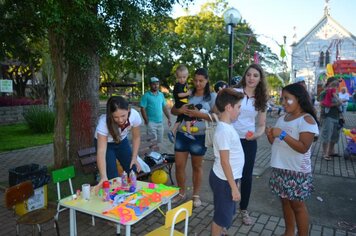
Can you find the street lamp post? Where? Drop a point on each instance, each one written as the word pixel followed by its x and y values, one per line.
pixel 231 17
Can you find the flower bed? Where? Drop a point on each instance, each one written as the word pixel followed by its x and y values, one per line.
pixel 14 101
pixel 12 108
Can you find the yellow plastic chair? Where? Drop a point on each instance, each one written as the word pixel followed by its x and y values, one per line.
pixel 61 175
pixel 174 216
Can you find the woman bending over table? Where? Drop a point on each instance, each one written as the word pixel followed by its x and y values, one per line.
pixel 111 139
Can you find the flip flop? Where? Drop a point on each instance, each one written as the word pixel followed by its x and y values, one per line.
pixel 334 155
pixel 327 158
pixel 171 136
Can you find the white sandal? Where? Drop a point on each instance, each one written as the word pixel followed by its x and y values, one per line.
pixel 179 198
pixel 196 201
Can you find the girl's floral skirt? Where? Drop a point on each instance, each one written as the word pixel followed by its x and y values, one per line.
pixel 291 184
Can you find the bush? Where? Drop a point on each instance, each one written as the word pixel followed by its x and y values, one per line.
pixel 103 97
pixel 40 119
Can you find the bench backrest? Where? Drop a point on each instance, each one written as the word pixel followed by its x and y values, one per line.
pixel 87 159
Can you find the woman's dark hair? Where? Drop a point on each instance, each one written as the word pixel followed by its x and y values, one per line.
pixel 203 72
pixel 303 98
pixel 114 103
pixel 261 89
pixel 227 96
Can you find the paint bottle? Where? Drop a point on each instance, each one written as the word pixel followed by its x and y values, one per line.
pixel 106 188
pixel 133 179
pixel 124 180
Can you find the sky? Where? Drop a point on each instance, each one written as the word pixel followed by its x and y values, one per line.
pixel 272 19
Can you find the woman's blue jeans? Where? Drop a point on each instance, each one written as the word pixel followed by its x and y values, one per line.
pixel 250 149
pixel 118 151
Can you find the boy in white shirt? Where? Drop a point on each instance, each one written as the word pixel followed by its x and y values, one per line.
pixel 229 161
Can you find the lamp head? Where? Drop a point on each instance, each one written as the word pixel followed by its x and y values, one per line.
pixel 232 16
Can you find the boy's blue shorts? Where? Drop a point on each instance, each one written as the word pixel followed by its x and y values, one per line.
pixel 224 206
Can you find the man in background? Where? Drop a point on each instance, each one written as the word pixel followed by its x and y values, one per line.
pixel 153 105
pixel 344 97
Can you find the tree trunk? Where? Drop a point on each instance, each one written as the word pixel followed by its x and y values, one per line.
pixel 84 105
pixel 60 65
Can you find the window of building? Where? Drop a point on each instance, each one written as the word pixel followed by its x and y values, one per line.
pixel 321 59
pixel 327 57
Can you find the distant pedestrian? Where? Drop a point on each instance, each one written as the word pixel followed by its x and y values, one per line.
pixel 330 130
pixel 220 85
pixel 344 97
pixel 228 163
pixel 291 140
pixel 153 105
pixel 330 97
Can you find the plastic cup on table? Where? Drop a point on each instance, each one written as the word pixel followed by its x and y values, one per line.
pixel 86 191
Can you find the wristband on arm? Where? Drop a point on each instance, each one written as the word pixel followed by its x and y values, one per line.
pixel 282 135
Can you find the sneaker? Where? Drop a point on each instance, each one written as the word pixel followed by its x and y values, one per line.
pixel 171 136
pixel 188 135
pixel 246 220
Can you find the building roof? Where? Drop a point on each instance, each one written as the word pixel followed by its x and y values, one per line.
pixel 323 21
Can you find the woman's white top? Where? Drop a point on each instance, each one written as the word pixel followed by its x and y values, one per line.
pixel 283 156
pixel 226 138
pixel 101 128
pixel 246 121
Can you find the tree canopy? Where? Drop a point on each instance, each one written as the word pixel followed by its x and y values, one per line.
pixel 114 40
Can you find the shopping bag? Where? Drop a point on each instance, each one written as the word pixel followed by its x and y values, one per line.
pixel 210 127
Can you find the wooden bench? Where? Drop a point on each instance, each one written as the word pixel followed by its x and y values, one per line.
pixel 87 159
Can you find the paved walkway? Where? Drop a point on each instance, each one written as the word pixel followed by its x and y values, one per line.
pixel 333 214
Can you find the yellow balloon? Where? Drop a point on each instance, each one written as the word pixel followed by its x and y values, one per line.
pixel 159 177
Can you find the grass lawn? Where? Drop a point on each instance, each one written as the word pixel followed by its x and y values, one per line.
pixel 19 136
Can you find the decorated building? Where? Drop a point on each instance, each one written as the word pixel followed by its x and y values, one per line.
pixel 326 43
